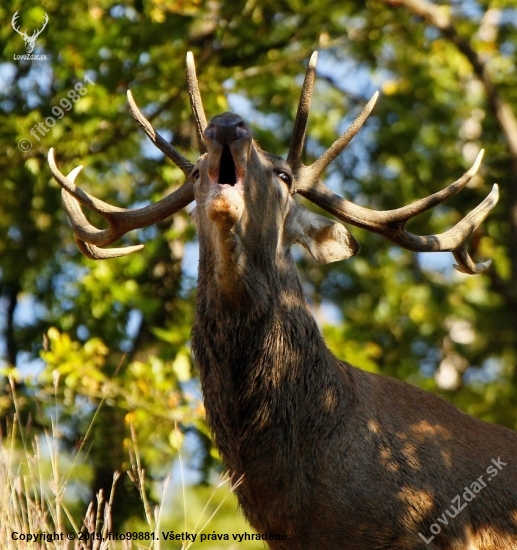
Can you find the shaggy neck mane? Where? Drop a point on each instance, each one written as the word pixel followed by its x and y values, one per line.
pixel 266 375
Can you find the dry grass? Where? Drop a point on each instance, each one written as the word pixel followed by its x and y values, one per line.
pixel 32 497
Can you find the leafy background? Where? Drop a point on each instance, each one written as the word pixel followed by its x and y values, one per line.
pixel 111 339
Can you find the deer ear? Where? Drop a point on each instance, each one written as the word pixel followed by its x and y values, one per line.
pixel 326 240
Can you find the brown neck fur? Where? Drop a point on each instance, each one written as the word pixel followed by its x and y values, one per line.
pixel 269 381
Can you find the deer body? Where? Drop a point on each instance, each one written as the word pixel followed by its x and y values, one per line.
pixel 338 458
pixel 332 456
pixel 328 456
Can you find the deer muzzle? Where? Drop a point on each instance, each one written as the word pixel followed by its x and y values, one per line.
pixel 227 128
pixel 228 141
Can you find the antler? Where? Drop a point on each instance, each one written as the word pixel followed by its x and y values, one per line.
pixel 35 34
pixel 389 223
pixel 17 29
pixel 24 34
pixel 120 220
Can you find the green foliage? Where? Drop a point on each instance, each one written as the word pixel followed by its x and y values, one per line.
pixel 117 332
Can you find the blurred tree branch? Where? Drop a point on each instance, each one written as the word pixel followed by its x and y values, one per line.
pixel 437 17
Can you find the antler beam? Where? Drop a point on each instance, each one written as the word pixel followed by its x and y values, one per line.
pixel 120 220
pixel 389 223
pixel 294 158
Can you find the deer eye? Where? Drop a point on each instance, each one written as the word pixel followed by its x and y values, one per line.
pixel 285 177
pixel 195 175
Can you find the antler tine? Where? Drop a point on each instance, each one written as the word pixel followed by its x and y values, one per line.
pixel 120 221
pixel 95 253
pixel 314 171
pixel 165 147
pixel 36 33
pixel 294 158
pixel 68 184
pixel 195 101
pixel 469 224
pixel 14 22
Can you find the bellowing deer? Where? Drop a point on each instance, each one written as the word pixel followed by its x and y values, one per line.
pixel 330 457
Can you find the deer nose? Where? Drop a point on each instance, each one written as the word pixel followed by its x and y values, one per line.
pixel 227 128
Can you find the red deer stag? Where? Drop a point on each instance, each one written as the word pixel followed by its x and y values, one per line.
pixel 331 457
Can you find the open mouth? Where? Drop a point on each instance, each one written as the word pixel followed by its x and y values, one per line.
pixel 227 173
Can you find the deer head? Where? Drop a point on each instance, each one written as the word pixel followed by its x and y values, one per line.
pixel 30 41
pixel 232 167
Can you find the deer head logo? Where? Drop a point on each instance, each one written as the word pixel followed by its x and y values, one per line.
pixel 30 41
